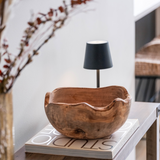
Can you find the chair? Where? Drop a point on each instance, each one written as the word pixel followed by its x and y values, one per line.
pixel 147 70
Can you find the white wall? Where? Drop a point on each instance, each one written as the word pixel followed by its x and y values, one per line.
pixel 60 62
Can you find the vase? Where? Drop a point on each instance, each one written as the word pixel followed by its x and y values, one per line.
pixel 6 123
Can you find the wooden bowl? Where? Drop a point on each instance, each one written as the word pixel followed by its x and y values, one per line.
pixel 87 113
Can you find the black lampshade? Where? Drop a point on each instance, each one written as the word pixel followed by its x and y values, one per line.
pixel 97 55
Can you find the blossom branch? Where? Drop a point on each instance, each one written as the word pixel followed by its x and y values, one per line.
pixel 57 18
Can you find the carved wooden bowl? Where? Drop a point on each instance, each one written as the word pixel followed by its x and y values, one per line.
pixel 87 113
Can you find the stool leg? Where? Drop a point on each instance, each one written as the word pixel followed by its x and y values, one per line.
pixel 157 89
pixel 146 89
pixel 148 94
pixel 138 88
pixel 153 95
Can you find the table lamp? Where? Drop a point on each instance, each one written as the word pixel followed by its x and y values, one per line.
pixel 97 57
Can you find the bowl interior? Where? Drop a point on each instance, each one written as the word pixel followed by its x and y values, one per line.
pixel 98 97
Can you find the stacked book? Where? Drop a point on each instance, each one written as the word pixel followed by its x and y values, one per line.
pixel 50 141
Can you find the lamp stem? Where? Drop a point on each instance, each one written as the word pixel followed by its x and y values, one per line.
pixel 98 78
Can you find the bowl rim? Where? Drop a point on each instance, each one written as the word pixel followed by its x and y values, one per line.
pixel 103 108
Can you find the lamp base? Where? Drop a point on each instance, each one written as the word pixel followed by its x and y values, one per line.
pixel 98 78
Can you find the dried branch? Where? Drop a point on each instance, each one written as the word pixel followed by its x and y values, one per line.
pixel 13 65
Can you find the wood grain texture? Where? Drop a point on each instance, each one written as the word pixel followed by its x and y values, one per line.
pixel 152 141
pixel 88 113
pixel 147 59
pixel 6 120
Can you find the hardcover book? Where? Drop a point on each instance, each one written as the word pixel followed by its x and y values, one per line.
pixel 50 141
